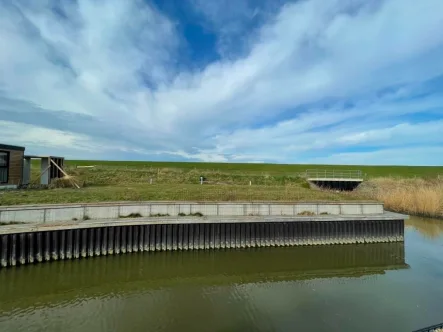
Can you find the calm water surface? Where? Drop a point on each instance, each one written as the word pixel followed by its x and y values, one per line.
pixel 376 287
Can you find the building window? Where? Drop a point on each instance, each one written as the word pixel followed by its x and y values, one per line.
pixel 4 166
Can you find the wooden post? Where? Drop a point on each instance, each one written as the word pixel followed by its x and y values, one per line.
pixel 73 182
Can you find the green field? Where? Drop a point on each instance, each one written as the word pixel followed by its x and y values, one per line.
pixel 168 192
pixel 142 181
pixel 274 169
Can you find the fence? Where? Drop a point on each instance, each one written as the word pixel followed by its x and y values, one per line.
pixel 161 192
pixel 178 192
pixel 333 174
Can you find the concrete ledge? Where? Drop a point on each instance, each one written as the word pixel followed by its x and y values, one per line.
pixel 99 211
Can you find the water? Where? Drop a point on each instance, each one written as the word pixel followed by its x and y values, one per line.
pixel 375 287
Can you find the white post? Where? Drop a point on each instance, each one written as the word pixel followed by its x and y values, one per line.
pixel 250 183
pixel 201 179
pixel 26 171
pixel 44 179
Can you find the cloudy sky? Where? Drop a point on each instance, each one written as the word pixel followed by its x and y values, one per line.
pixel 308 81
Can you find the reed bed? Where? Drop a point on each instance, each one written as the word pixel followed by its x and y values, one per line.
pixel 416 196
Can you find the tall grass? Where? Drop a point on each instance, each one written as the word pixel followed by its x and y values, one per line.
pixel 272 169
pixel 419 197
pixel 125 183
pixel 144 181
pixel 102 175
pixel 169 192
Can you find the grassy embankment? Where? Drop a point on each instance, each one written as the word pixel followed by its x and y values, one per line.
pixel 265 169
pixel 131 181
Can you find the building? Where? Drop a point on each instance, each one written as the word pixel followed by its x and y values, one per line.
pixel 11 164
pixel 15 167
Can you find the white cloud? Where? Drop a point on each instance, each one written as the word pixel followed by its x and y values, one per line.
pixel 77 63
pixel 112 72
pixel 44 141
pixel 31 135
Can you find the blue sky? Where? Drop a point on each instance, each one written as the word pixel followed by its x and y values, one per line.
pixel 313 81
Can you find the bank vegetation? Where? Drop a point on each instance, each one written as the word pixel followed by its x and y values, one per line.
pixel 415 196
pixel 142 182
pixel 104 183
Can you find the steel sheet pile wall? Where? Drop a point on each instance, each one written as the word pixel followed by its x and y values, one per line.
pixel 24 248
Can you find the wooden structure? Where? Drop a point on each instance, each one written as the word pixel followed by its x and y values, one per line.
pixel 51 168
pixel 11 165
pixel 15 167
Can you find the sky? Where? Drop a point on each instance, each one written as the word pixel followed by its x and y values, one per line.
pixel 274 81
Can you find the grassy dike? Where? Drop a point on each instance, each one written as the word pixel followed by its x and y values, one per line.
pixel 265 169
pixel 413 190
pixel 144 183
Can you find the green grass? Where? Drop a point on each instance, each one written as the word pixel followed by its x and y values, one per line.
pixel 271 169
pixel 179 181
pixel 168 192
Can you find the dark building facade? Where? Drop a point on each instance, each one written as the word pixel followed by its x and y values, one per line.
pixel 11 164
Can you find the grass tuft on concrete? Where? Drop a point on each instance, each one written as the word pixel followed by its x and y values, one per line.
pixel 2 223
pixel 132 215
pixel 306 213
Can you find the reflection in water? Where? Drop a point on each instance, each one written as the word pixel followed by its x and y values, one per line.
pixel 175 276
pixel 142 271
pixel 322 288
pixel 431 228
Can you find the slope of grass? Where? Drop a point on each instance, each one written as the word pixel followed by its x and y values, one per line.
pixel 270 169
pixel 168 192
pixel 139 181
pixel 114 175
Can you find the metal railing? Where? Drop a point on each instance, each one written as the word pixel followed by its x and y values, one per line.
pixel 434 328
pixel 333 174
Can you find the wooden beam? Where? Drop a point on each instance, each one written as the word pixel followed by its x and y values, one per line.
pixel 61 170
pixel 46 169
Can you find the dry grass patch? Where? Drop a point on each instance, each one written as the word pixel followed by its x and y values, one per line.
pixel 66 182
pixel 414 196
pixel 306 213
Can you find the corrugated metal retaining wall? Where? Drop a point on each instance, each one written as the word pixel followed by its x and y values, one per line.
pixel 28 248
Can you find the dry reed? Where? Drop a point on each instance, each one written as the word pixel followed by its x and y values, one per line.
pixel 66 182
pixel 413 196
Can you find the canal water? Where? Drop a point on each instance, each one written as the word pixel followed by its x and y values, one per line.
pixel 374 287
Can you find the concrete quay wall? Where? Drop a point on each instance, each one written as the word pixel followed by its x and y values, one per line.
pixel 96 211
